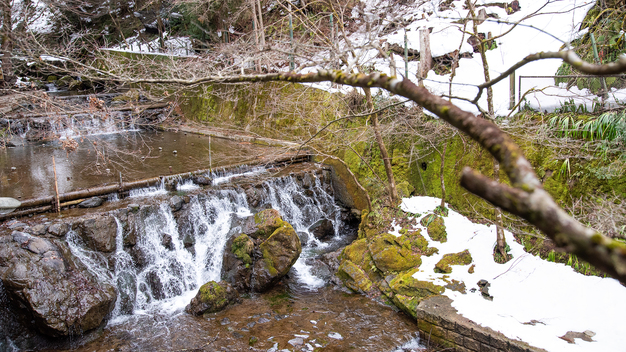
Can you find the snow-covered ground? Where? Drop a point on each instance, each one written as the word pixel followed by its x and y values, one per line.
pixel 551 296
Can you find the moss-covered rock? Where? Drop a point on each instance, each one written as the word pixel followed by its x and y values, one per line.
pixel 263 223
pixel 405 284
pixel 461 258
pixel 391 256
pixel 212 297
pixel 279 252
pixel 242 248
pixel 416 242
pixel 436 227
pixel 354 277
pixel 408 304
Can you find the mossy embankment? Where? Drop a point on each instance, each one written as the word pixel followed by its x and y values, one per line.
pixel 297 112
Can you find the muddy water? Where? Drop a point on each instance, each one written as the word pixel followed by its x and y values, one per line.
pixel 326 320
pixel 99 160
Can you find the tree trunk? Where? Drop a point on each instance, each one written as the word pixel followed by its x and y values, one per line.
pixel 255 24
pixel 500 240
pixel 261 26
pixel 160 27
pixel 483 57
pixel 393 192
pixel 7 42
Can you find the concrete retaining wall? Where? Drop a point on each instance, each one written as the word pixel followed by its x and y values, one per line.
pixel 439 324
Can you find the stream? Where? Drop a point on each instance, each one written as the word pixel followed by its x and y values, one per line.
pixel 155 282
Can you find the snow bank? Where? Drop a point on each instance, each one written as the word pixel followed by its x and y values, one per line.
pixel 527 289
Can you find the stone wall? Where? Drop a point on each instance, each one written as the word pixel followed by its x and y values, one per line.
pixel 440 324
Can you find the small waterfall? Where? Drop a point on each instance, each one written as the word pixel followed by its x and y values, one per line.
pixel 220 177
pixel 161 260
pixel 149 191
pixel 302 211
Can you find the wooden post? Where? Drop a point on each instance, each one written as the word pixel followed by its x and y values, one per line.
pixel 406 56
pixel 56 186
pixel 425 55
pixel 292 65
pixel 512 90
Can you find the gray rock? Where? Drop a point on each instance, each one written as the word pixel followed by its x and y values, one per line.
pixel 45 281
pixel 92 202
pixel 202 180
pixel 166 241
pixel 322 229
pixel 176 203
pixel 39 230
pixel 7 204
pixel 98 232
pixel 59 229
pixel 298 341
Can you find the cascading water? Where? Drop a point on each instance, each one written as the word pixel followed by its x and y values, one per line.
pixel 172 256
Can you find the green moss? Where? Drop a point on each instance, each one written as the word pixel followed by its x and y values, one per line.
pixel 405 284
pixel 391 256
pixel 282 244
pixel 435 227
pixel 266 221
pixel 354 277
pixel 242 248
pixel 461 258
pixel 407 303
pixel 416 243
pixel 213 292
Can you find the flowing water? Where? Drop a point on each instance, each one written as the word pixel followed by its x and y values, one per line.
pixel 175 253
pixel 27 171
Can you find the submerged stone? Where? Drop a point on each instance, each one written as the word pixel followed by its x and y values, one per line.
pixel 92 202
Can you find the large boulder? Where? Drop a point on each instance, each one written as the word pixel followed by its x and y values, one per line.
pixel 237 262
pixel 278 254
pixel 262 224
pixel 51 287
pixel 390 255
pixel 212 297
pixel 98 232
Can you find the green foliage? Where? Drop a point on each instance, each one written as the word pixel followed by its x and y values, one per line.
pixel 608 126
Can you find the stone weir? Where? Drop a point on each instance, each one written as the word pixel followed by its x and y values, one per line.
pixel 42 117
pixel 64 275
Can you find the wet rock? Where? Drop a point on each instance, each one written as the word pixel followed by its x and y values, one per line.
pixel 237 262
pixel 188 240
pixel 262 224
pixel 92 202
pixel 335 335
pixel 59 229
pixel 45 281
pixel 15 141
pixel 304 237
pixel 166 241
pixel 38 230
pixel 7 204
pixel 176 203
pixel 212 297
pixel 202 180
pixel 127 287
pixel 98 232
pixel 17 225
pixel 322 229
pixel 308 181
pixel 254 196
pixel 279 252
